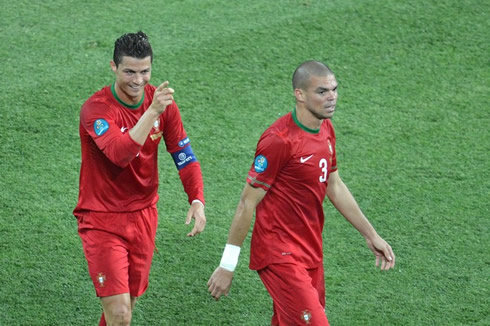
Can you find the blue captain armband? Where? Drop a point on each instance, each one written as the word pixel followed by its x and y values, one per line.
pixel 183 157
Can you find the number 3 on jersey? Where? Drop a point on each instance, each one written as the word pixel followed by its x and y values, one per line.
pixel 323 165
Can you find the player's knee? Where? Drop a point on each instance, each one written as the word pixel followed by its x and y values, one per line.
pixel 119 315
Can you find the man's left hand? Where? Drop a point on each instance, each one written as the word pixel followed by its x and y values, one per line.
pixel 385 258
pixel 196 212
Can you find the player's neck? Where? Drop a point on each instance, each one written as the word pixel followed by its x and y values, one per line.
pixel 125 98
pixel 307 119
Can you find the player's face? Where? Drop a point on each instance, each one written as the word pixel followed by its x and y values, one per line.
pixel 321 95
pixel 132 75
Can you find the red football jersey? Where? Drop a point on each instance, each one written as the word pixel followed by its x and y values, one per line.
pixel 292 163
pixel 119 175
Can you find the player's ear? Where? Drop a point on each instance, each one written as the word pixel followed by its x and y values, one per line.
pixel 113 66
pixel 298 93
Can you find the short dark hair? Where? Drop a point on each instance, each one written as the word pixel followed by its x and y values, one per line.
pixel 134 45
pixel 302 74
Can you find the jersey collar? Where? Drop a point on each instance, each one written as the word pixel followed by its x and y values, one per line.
pixel 129 106
pixel 302 126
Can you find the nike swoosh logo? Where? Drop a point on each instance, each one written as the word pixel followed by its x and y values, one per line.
pixel 304 159
pixel 123 129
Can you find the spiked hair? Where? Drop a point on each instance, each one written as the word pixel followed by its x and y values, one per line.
pixel 134 45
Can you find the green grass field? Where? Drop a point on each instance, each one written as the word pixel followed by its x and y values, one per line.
pixel 413 145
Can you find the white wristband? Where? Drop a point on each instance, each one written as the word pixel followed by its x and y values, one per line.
pixel 229 260
pixel 197 201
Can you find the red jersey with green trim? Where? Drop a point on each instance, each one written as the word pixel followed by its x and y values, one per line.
pixel 292 163
pixel 119 175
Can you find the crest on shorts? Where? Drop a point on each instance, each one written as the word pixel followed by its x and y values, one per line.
pixel 101 279
pixel 306 316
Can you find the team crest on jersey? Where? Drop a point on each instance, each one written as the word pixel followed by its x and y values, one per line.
pixel 260 164
pixel 156 125
pixel 330 148
pixel 101 279
pixel 157 133
pixel 100 127
pixel 306 316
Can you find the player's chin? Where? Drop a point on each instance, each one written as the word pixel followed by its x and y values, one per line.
pixel 328 112
pixel 135 91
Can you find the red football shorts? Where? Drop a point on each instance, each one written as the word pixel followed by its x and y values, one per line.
pixel 119 249
pixel 298 294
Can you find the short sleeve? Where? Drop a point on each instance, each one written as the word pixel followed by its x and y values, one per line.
pixel 272 154
pixel 331 140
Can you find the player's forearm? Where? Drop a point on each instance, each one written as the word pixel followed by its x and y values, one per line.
pixel 238 231
pixel 241 223
pixel 345 203
pixel 140 131
pixel 249 199
pixel 191 178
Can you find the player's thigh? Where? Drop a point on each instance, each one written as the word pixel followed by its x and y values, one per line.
pixel 141 250
pixel 318 281
pixel 296 299
pixel 107 259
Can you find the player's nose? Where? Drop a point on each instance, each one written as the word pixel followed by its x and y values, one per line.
pixel 138 79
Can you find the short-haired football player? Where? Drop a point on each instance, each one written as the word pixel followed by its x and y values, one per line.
pixel 295 166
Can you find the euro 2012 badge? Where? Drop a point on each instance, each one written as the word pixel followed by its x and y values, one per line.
pixel 100 127
pixel 260 164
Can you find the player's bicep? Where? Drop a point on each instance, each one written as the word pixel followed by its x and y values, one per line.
pixel 175 137
pixel 174 133
pixel 334 184
pixel 98 124
pixel 270 157
pixel 116 145
pixel 252 195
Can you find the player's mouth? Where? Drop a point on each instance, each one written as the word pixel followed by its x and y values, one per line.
pixel 135 88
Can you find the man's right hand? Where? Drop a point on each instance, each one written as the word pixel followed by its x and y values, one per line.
pixel 162 98
pixel 220 282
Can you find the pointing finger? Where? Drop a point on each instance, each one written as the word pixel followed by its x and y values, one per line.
pixel 162 85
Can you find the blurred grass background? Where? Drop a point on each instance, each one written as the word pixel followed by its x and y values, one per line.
pixel 412 124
